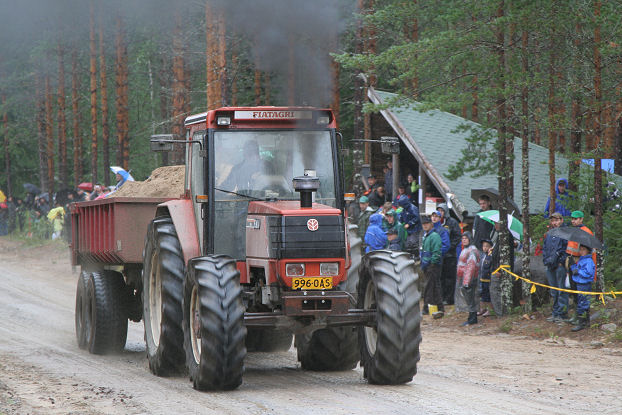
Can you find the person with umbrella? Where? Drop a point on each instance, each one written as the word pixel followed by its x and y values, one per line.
pixel 554 256
pixel 583 275
pixel 482 229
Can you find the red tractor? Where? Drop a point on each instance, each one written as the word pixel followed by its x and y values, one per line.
pixel 254 253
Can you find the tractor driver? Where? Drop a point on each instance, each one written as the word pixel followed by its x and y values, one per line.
pixel 245 173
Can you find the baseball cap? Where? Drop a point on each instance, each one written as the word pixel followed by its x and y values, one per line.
pixel 576 214
pixel 364 199
pixel 426 219
pixel 557 215
pixel 437 213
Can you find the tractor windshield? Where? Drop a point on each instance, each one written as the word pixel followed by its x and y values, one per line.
pixel 262 164
pixel 253 165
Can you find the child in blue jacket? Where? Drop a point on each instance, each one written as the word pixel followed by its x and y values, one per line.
pixel 583 275
pixel 375 237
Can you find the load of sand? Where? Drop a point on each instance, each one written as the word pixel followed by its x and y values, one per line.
pixel 165 181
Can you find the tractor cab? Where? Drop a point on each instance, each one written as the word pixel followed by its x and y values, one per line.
pixel 244 170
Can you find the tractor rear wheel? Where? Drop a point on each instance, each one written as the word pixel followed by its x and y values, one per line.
pixel 106 317
pixel 163 273
pixel 81 315
pixel 390 350
pixel 213 323
pixel 334 348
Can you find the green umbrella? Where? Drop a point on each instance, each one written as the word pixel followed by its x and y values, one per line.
pixel 514 225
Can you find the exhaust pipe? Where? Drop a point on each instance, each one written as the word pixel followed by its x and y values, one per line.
pixel 306 185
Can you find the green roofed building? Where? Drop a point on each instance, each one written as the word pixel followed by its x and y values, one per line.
pixel 432 141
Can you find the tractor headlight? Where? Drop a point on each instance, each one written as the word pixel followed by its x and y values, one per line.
pixel 223 121
pixel 294 270
pixel 329 268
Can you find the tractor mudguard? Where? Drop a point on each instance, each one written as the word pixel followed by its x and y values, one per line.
pixel 182 213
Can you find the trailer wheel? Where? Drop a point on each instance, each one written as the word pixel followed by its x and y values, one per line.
pixel 163 273
pixel 268 340
pixel 390 350
pixel 334 348
pixel 82 318
pixel 214 331
pixel 106 319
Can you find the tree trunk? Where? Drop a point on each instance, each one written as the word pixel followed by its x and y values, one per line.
pixel 257 83
pixel 552 131
pixel 41 130
pixel 370 49
pixel 234 79
pixel 75 109
pixel 49 133
pixel 414 37
pixel 103 87
pixel 525 175
pixel 165 88
pixel 216 58
pixel 598 178
pixel 617 153
pixel 359 99
pixel 62 120
pixel 504 237
pixel 179 90
pixel 123 155
pixel 291 72
pixel 93 78
pixel 7 153
pixel 575 143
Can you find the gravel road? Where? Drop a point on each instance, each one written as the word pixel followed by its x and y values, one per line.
pixel 42 370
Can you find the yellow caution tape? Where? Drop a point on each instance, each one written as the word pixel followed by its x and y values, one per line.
pixel 601 295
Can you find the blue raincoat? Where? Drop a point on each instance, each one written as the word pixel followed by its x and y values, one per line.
pixel 561 201
pixel 375 238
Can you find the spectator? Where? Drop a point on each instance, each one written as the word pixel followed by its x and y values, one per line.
pixel 12 219
pixel 375 238
pixel 554 257
pixel 467 273
pixel 583 275
pixel 388 180
pixel 371 185
pixel 482 229
pixel 485 269
pixel 396 234
pixel 97 191
pixel 4 219
pixel 122 176
pixel 573 251
pixel 409 217
pixel 561 199
pixel 431 266
pixel 442 232
pixel 376 197
pixel 363 220
pixel 81 195
pixel 401 191
pixel 411 187
pixel 56 217
pixel 448 274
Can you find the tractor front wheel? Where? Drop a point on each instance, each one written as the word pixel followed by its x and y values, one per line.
pixel 213 323
pixel 390 349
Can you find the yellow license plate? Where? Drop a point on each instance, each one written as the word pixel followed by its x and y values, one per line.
pixel 312 283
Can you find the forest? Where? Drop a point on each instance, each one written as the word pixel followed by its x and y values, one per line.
pixel 84 84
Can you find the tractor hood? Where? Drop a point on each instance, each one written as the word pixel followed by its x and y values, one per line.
pixel 290 208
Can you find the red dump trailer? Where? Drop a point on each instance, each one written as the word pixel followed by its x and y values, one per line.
pixel 107 243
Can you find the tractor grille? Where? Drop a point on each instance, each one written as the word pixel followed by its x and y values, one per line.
pixel 290 237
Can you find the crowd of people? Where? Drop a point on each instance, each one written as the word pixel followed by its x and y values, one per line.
pixel 42 214
pixel 459 267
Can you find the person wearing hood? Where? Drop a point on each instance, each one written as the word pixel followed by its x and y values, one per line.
pixel 431 267
pixel 467 276
pixel 561 199
pixel 396 234
pixel 409 217
pixel 375 237
pixel 583 275
pixel 363 220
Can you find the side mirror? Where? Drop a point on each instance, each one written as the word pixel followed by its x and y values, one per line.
pixel 161 142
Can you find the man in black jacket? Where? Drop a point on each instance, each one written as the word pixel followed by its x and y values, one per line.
pixel 448 275
pixel 482 229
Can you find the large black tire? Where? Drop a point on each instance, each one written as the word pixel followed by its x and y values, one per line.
pixel 214 331
pixel 334 348
pixel 390 350
pixel 81 315
pixel 268 340
pixel 106 323
pixel 163 275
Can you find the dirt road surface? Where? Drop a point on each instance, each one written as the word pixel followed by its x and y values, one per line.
pixel 42 370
